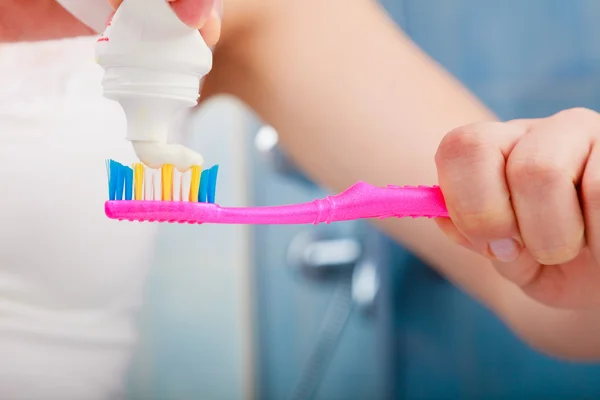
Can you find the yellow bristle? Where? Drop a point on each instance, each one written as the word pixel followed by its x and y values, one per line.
pixel 138 173
pixel 195 184
pixel 167 182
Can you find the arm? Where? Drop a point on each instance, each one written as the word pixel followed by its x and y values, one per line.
pixel 353 99
pixel 30 20
pixel 350 96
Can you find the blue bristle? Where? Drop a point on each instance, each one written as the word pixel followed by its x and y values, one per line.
pixel 113 179
pixel 212 184
pixel 202 192
pixel 120 170
pixel 128 172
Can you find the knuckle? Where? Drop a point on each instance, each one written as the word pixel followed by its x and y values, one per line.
pixel 556 254
pixel 466 142
pixel 533 171
pixel 578 114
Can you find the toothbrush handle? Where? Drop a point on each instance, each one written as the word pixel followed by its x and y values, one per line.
pixel 358 202
pixel 366 201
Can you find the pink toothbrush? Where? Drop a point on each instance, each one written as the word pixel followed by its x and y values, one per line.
pixel 359 201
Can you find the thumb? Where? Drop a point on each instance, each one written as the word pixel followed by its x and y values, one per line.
pixel 194 13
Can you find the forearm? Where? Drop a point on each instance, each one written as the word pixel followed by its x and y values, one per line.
pixel 353 99
pixel 31 20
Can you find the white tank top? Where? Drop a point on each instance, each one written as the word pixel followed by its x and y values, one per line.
pixel 70 279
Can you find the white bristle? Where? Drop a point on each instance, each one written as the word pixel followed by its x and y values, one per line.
pixel 176 185
pixel 148 184
pixel 133 184
pixel 186 182
pixel 156 185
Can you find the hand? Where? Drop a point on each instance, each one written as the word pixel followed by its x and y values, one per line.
pixel 526 194
pixel 204 15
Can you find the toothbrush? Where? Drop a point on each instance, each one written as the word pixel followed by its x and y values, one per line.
pixel 360 201
pixel 153 66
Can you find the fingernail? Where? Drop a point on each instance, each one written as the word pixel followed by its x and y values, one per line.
pixel 505 250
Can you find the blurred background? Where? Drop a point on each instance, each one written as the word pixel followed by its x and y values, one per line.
pixel 340 312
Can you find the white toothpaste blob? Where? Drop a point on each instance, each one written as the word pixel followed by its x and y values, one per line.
pixel 155 155
pixel 153 65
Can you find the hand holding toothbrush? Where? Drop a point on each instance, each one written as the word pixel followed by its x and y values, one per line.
pixel 526 194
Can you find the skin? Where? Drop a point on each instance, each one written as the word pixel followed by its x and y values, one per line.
pixel 352 99
pixel 29 20
pixel 523 199
pixel 32 20
pixel 204 15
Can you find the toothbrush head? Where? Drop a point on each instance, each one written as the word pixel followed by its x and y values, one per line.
pixel 166 184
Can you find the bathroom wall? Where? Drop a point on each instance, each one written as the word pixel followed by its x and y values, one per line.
pixel 196 325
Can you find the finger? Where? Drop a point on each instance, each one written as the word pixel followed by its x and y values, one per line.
pixel 471 170
pixel 523 271
pixel 523 122
pixel 211 31
pixel 117 3
pixel 590 196
pixel 194 13
pixel 542 171
pixel 451 231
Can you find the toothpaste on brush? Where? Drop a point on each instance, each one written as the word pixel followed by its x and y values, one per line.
pixel 153 65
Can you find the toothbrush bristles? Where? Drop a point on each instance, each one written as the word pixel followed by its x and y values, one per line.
pixel 139 182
